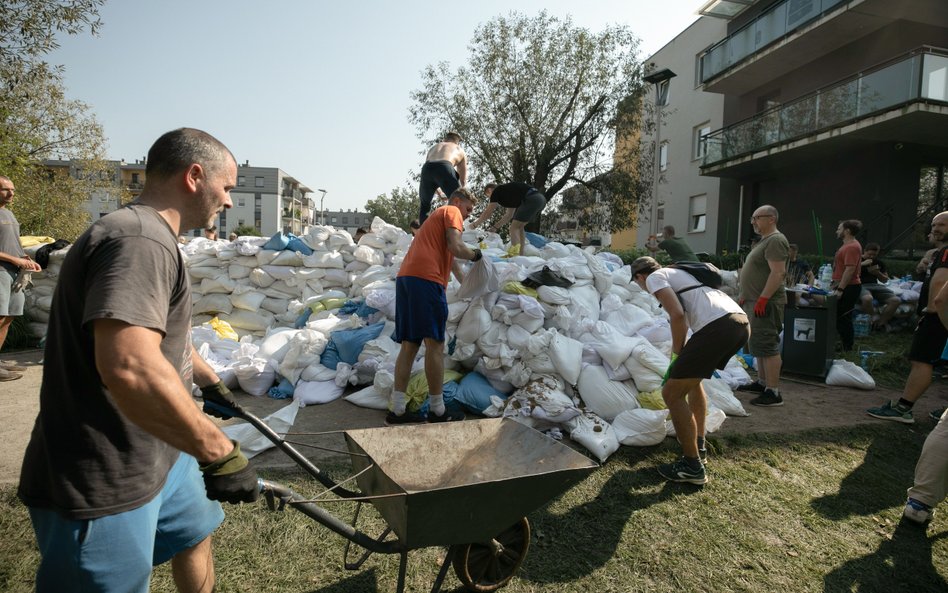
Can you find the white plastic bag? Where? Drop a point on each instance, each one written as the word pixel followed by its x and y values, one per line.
pixel 480 279
pixel 844 373
pixel 251 441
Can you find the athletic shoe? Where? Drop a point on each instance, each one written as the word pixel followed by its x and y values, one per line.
pixel 917 512
pixel 769 399
pixel 680 471
pixel 890 411
pixel 753 387
pixel 11 365
pixel 450 415
pixel 936 414
pixel 703 456
pixel 407 418
pixel 7 375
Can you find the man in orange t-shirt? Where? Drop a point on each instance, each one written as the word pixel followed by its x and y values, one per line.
pixel 421 308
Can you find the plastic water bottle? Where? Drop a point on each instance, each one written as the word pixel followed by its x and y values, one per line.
pixel 861 325
pixel 826 276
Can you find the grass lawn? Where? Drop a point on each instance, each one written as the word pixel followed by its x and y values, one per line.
pixel 812 511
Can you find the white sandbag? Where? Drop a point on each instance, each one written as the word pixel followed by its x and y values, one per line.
pixel 260 278
pixel 202 272
pixel 528 322
pixel 309 393
pixel 212 304
pixel 219 284
pixel 324 259
pixel 369 255
pixel 266 256
pixel 276 343
pixel 645 378
pixel 844 373
pixel 566 355
pixel 595 434
pixel 602 277
pixel 479 279
pixel 318 372
pixel 650 356
pixel 238 272
pixel 254 375
pixel 628 319
pixel 554 295
pixel 475 323
pixel 720 396
pixel 612 346
pixel 250 321
pixel 712 422
pixel 252 441
pixel 245 297
pixel 305 349
pixel 368 397
pixel 275 305
pixel 605 397
pixel 278 272
pixel 640 427
pixel 585 302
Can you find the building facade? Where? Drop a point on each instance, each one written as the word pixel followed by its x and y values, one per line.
pixel 269 200
pixel 832 110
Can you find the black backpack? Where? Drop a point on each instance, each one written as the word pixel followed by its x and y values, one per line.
pixel 707 274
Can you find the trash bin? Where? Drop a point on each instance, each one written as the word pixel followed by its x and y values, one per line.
pixel 809 338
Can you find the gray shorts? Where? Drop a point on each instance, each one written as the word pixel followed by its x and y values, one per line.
pixel 765 331
pixel 11 303
pixel 531 205
pixel 880 292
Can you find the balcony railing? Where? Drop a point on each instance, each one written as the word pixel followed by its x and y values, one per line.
pixel 920 75
pixel 785 17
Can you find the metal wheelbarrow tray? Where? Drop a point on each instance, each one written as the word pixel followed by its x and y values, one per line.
pixel 466 485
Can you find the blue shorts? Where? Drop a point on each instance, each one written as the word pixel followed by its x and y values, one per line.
pixel 421 310
pixel 117 552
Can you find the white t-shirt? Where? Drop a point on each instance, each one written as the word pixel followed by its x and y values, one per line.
pixel 702 305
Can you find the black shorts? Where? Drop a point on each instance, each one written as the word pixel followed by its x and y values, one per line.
pixel 928 341
pixel 711 347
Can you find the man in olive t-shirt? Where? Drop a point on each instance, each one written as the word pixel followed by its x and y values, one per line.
pixel 675 247
pixel 763 298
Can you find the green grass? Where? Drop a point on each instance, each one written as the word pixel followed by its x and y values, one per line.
pixel 814 511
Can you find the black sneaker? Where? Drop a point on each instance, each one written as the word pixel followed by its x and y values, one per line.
pixel 450 415
pixel 753 387
pixel 407 418
pixel 680 471
pixel 768 399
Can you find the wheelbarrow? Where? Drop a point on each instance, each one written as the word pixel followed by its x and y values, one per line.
pixel 478 480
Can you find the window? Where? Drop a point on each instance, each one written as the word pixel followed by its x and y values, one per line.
pixel 663 157
pixel 258 181
pixel 240 222
pixel 663 96
pixel 345 220
pixel 697 213
pixel 135 178
pixel 332 220
pixel 241 201
pixel 700 141
pixel 241 180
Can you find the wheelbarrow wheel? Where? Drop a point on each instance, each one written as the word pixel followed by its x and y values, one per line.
pixel 488 566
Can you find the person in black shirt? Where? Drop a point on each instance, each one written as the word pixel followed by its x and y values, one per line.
pixel 874 276
pixel 523 204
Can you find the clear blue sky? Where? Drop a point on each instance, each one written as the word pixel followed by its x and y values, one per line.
pixel 317 88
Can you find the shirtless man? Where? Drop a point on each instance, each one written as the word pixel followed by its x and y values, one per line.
pixel 445 168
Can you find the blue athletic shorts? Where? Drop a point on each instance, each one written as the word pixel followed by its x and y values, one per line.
pixel 421 310
pixel 117 552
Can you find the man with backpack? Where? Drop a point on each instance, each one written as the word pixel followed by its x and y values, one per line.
pixel 720 328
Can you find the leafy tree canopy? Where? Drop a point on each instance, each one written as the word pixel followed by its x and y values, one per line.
pixel 38 121
pixel 540 101
pixel 399 207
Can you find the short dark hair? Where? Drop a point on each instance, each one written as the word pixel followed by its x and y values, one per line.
pixel 645 265
pixel 178 149
pixel 852 225
pixel 463 193
pixel 490 186
pixel 453 137
pixel 414 224
pixel 872 247
pixel 794 246
pixel 669 230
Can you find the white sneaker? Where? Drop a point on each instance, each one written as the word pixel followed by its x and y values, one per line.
pixel 917 512
pixel 11 365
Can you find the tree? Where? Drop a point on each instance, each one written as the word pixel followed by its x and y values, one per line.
pixel 246 230
pixel 539 102
pixel 38 122
pixel 398 208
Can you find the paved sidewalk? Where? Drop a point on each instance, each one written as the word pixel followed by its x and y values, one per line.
pixel 809 404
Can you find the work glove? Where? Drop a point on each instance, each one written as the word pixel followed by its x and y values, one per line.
pixel 230 478
pixel 218 399
pixel 477 255
pixel 760 308
pixel 668 371
pixel 24 280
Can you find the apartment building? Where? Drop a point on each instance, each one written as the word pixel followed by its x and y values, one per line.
pixel 686 200
pixel 832 109
pixel 269 200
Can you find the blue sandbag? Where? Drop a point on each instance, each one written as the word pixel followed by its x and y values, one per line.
pixel 277 242
pixel 538 241
pixel 474 393
pixel 297 244
pixel 346 344
pixel 302 320
pixel 282 391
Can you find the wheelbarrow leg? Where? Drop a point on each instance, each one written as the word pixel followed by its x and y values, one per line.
pixel 448 559
pixel 402 569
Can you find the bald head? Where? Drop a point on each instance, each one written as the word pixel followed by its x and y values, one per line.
pixel 177 150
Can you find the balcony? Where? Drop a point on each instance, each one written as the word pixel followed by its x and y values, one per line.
pixel 903 100
pixel 793 33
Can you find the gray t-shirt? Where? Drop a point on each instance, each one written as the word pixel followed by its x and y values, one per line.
pixel 756 270
pixel 10 239
pixel 85 459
